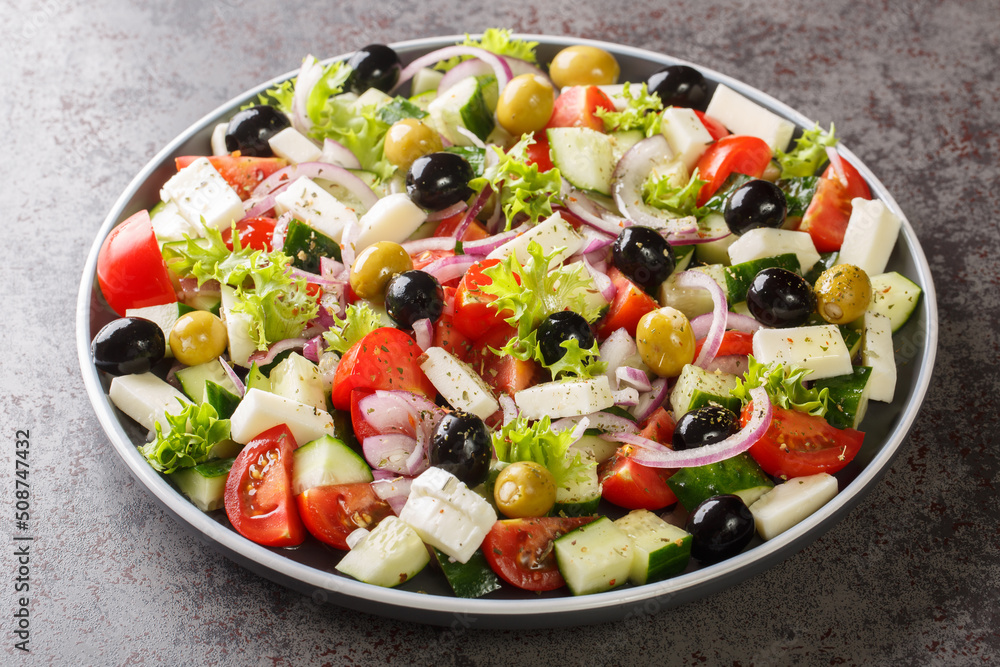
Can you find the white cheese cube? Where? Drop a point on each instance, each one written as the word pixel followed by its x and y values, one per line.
pixel 447 515
pixel 870 237
pixel 460 385
pixel 877 351
pixel 294 146
pixel 565 398
pixel 241 343
pixel 315 207
pixel 146 398
pixel 260 410
pixel 169 225
pixel 767 242
pixel 743 116
pixel 790 502
pixel 553 233
pixel 686 134
pixel 818 348
pixel 219 139
pixel 616 93
pixel 392 218
pixel 203 195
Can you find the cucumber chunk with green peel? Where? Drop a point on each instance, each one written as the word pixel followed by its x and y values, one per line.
pixel 894 296
pixel 661 549
pixel 581 496
pixel 204 484
pixel 694 379
pixel 692 301
pixel 739 475
pixel 224 401
pixel 464 106
pixel 306 246
pixel 701 398
pixel 194 380
pixel 471 579
pixel 594 558
pixel 848 397
pixel 327 461
pixel 739 276
pixel 389 555
pixel 583 156
pixel 257 379
pixel 299 379
pixel 714 225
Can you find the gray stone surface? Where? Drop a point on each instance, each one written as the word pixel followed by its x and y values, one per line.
pixel 92 90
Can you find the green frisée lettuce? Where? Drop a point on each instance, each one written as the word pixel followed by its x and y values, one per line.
pixel 359 321
pixel 642 112
pixel 783 386
pixel 498 41
pixel 522 440
pixel 521 187
pixel 809 153
pixel 664 193
pixel 189 440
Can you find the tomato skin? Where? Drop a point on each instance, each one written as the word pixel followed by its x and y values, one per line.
pixel 733 342
pixel 628 484
pixel 627 308
pixel 732 154
pixel 387 358
pixel 130 268
pixel 659 426
pixel 331 513
pixel 504 374
pixel 830 209
pixel 268 516
pixel 520 550
pixel 473 232
pixel 243 173
pixel 714 127
pixel 253 233
pixel 540 153
pixel 425 257
pixel 362 429
pixel 577 106
pixel 798 444
pixel 473 314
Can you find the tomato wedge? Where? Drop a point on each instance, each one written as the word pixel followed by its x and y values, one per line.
pixel 736 153
pixel 253 233
pixel 627 308
pixel 520 550
pixel 130 268
pixel 504 374
pixel 258 497
pixel 633 486
pixel 830 209
pixel 733 342
pixel 540 153
pixel 577 106
pixel 798 444
pixel 387 358
pixel 331 513
pixel 473 314
pixel 448 226
pixel 714 127
pixel 243 173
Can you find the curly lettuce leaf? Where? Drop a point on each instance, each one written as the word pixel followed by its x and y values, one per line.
pixel 783 386
pixel 279 96
pixel 522 188
pixel 575 363
pixel 666 194
pixel 809 153
pixel 521 440
pixel 642 112
pixel 189 439
pixel 359 321
pixel 498 41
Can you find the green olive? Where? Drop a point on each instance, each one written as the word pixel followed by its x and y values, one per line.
pixel 665 341
pixel 526 104
pixel 843 293
pixel 584 66
pixel 375 266
pixel 409 139
pixel 198 337
pixel 525 489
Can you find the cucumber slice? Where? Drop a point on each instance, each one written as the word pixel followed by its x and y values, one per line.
pixel 204 484
pixel 297 378
pixel 224 401
pixel 579 497
pixel 471 579
pixel 305 246
pixel 701 398
pixel 327 461
pixel 583 156
pixel 894 296
pixel 257 380
pixel 194 380
pixel 622 141
pixel 462 106
pixel 391 554
pixel 594 558
pixel 848 397
pixel 740 476
pixel 661 549
pixel 739 276
pixel 425 80
pixel 714 252
pixel 693 379
pixel 692 301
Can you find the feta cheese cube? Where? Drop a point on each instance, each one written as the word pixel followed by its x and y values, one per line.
pixel 392 218
pixel 203 195
pixel 146 398
pixel 565 398
pixel 870 237
pixel 686 134
pixel 743 116
pixel 169 225
pixel 877 351
pixel 551 234
pixel 818 348
pixel 767 242
pixel 294 146
pixel 260 410
pixel 315 207
pixel 460 385
pixel 790 502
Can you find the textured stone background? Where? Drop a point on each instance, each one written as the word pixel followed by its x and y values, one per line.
pixel 91 92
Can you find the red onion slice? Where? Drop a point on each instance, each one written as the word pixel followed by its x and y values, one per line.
pixel 734 321
pixel 397 411
pixel 651 400
pixel 432 243
pixel 837 163
pixel 472 212
pixel 627 397
pixel 630 173
pixel 591 213
pixel 654 455
pixel 388 452
pixel 499 66
pixel 256 207
pixel 264 357
pixel 321 171
pixel 449 268
pixel 602 421
pixel 601 281
pixel 489 244
pixel 615 349
pixel 340 155
pixel 720 312
pixel 347 252
pixel 394 490
pixel 231 374
pixel 309 75
pixel 463 70
pixel 423 332
pixel 312 349
pixel 509 408
pixel 454 209
pixel 633 377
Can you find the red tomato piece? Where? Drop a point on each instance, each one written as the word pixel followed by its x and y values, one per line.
pixel 387 358
pixel 520 550
pixel 627 308
pixel 577 106
pixel 425 257
pixel 540 153
pixel 331 513
pixel 130 268
pixel 714 127
pixel 628 484
pixel 736 153
pixel 830 209
pixel 798 444
pixel 258 496
pixel 473 314
pixel 253 233
pixel 473 232
pixel 659 426
pixel 504 374
pixel 447 336
pixel 733 342
pixel 362 429
pixel 242 173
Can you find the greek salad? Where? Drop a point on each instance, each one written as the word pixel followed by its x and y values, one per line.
pixel 539 326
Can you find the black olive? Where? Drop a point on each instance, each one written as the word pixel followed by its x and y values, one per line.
pixel 249 130
pixel 128 345
pixel 679 86
pixel 780 298
pixel 644 257
pixel 461 445
pixel 439 180
pixel 704 426
pixel 413 295
pixel 720 527
pixel 754 205
pixel 560 327
pixel 374 66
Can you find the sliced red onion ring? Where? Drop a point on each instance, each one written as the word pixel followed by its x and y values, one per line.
pixel 231 374
pixel 319 171
pixel 396 411
pixel 280 231
pixel 392 489
pixel 338 154
pixel 455 208
pixel 331 269
pixel 312 349
pixel 601 281
pixel 431 243
pixel 633 377
pixel 838 164
pixel 388 452
pixel 602 421
pixel 475 140
pixel 347 251
pixel 734 321
pixel 256 207
pixel 654 455
pixel 423 332
pixel 720 311
pixel 651 400
pixel 627 397
pixel 591 213
pixel 309 75
pixel 449 268
pixel 630 173
pixel 509 408
pixel 463 70
pixel 472 212
pixel 264 357
pixel 489 244
pixel 499 66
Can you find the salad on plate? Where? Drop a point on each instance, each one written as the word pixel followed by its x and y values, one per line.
pixel 536 325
